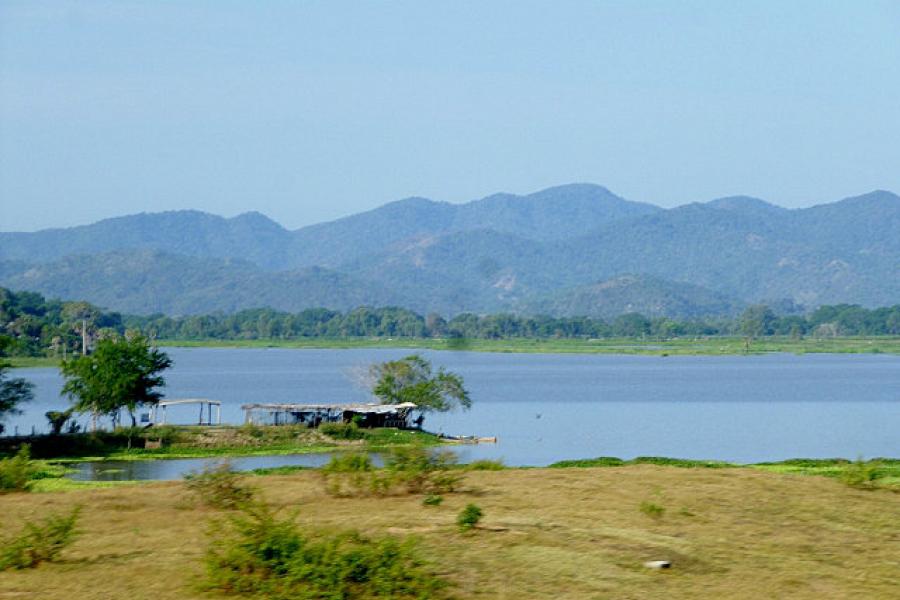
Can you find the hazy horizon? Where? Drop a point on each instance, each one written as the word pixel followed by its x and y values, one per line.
pixel 311 112
pixel 253 210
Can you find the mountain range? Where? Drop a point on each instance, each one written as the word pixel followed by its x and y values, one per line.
pixel 575 249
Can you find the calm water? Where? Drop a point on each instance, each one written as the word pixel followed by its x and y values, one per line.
pixel 546 407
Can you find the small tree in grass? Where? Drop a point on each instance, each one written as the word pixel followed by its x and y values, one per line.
pixel 39 542
pixel 469 517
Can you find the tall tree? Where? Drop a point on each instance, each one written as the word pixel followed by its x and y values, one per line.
pixel 81 316
pixel 411 379
pixel 13 390
pixel 122 372
pixel 756 321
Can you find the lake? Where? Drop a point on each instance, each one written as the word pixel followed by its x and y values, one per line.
pixel 545 408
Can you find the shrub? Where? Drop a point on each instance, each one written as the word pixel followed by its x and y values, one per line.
pixel 39 542
pixel 861 474
pixel 469 517
pixel 17 472
pixel 432 500
pixel 602 461
pixel 408 469
pixel 219 486
pixel 652 510
pixel 486 465
pixel 353 474
pixel 680 462
pixel 252 430
pixel 421 470
pixel 258 553
pixel 342 431
pixel 57 419
pixel 165 434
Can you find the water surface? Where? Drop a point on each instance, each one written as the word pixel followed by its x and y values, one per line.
pixel 549 407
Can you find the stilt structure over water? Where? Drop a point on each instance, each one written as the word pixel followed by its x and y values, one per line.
pixel 365 415
pixel 154 415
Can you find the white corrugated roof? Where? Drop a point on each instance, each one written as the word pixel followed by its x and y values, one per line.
pixel 361 408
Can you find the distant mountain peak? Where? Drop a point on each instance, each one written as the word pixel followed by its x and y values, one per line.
pixel 412 201
pixel 257 220
pixel 581 188
pixel 744 203
pixel 875 196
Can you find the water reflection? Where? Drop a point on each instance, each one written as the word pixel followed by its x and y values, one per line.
pixel 129 470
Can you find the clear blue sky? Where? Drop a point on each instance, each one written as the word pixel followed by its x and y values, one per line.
pixel 308 111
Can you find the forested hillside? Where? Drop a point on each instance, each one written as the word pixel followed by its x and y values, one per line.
pixel 575 249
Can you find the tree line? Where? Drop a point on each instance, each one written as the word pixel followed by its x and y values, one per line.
pixel 31 325
pixel 755 321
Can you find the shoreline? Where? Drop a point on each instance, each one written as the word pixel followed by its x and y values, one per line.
pixel 616 346
pixel 711 346
pixel 56 473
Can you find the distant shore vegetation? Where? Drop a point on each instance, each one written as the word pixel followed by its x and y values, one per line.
pixel 33 326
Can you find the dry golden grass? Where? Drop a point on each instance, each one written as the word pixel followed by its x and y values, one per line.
pixel 546 533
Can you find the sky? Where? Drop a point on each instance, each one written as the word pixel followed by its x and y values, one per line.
pixel 309 111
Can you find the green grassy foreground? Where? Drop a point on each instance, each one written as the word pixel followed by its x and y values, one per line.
pixel 703 346
pixel 576 533
pixel 880 472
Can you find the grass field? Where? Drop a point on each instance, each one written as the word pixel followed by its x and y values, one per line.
pixel 546 533
pixel 23 362
pixel 703 346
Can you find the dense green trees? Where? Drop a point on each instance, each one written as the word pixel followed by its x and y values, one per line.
pixel 122 372
pixel 33 326
pixel 757 321
pixel 398 322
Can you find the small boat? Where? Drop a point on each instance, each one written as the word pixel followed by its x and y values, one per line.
pixel 468 439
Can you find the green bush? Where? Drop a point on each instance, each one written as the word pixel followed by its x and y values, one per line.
pixel 17 472
pixel 342 431
pixel 486 465
pixel 421 470
pixel 39 543
pixel 432 500
pixel 601 461
pixel 469 517
pixel 166 434
pixel 257 553
pixel 680 462
pixel 353 474
pixel 408 469
pixel 861 474
pixel 252 430
pixel 219 486
pixel 652 510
